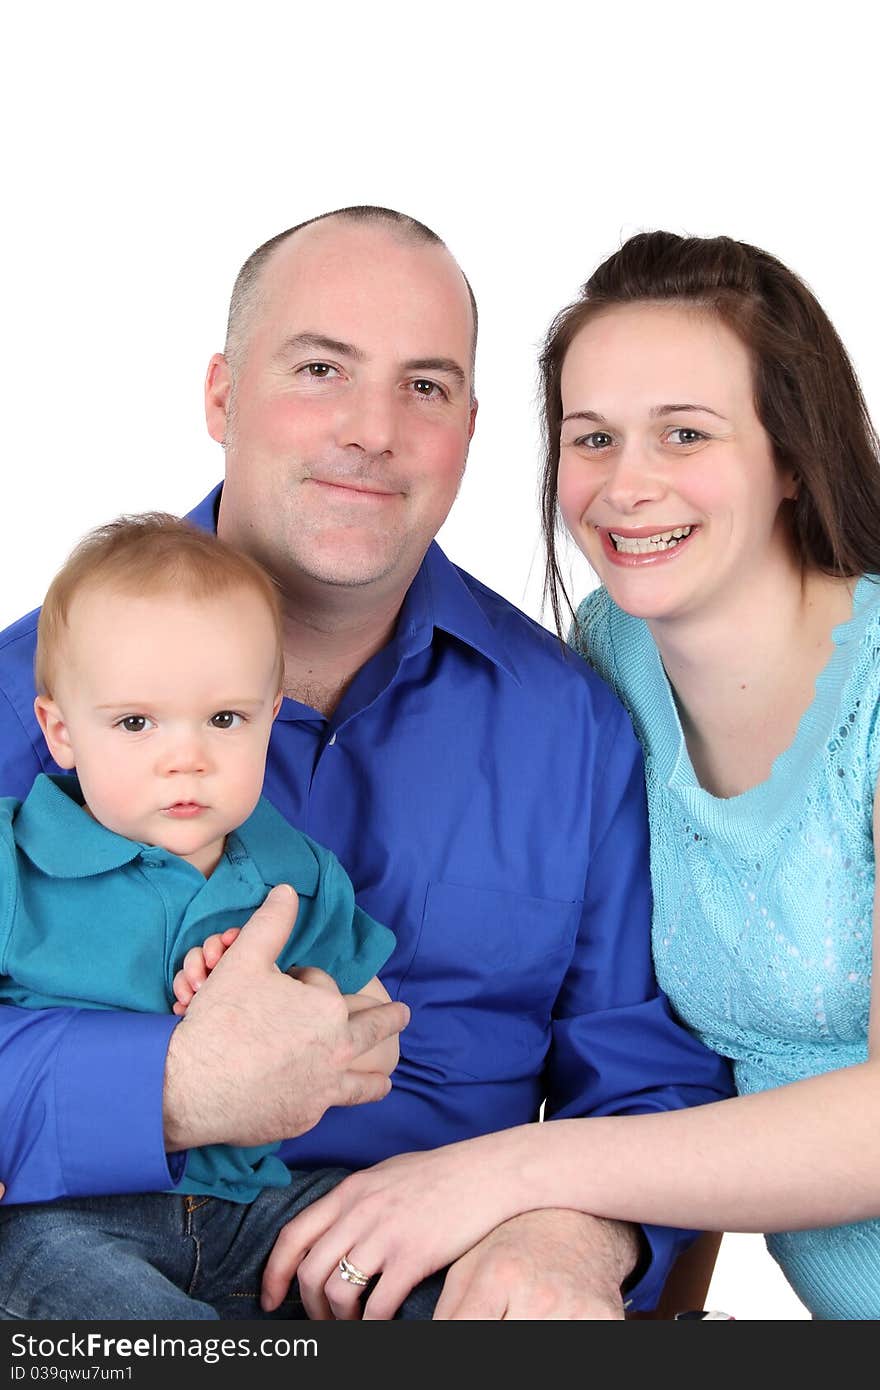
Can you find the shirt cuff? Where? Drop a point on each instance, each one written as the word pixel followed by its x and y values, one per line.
pixel 659 1247
pixel 110 1077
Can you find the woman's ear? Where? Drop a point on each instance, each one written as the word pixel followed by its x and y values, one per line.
pixel 55 731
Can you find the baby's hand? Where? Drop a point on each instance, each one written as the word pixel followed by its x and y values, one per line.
pixel 197 965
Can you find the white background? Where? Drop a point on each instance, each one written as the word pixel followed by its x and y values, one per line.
pixel 149 149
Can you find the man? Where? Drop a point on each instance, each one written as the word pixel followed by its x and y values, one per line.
pixel 481 787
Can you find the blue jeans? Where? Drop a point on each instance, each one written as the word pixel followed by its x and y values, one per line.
pixel 157 1256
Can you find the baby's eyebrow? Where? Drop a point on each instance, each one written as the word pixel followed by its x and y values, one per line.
pixel 127 706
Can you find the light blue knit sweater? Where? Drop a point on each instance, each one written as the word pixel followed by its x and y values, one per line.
pixel 763 902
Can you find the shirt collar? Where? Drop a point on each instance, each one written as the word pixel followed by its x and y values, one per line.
pixel 439 597
pixel 60 837
pixel 280 853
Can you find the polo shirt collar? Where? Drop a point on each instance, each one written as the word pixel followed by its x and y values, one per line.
pixel 62 840
pixel 280 853
pixel 60 837
pixel 438 598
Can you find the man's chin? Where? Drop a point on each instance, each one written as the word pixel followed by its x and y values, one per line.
pixel 347 565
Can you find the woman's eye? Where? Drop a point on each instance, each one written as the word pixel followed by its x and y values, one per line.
pixel 226 719
pixel 135 723
pixel 599 439
pixel 685 435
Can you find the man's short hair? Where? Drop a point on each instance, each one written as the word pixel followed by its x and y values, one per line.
pixel 153 553
pixel 245 291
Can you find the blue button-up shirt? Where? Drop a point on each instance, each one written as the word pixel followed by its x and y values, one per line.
pixel 485 792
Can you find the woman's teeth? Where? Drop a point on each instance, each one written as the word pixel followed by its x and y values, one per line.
pixel 643 545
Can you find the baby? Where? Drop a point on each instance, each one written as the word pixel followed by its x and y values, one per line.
pixel 159 668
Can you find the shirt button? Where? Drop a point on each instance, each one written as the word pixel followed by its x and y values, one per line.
pixel 331 741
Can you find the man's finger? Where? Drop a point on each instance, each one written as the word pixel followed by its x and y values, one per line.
pixel 374 1025
pixel 361 1087
pixel 264 934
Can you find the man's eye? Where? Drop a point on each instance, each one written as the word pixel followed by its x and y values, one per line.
pixel 428 389
pixel 318 371
pixel 226 719
pixel 135 723
pixel 685 435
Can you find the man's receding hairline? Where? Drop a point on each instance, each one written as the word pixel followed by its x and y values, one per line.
pixel 399 224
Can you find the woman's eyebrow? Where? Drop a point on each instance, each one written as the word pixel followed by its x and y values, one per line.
pixel 675 409
pixel 593 415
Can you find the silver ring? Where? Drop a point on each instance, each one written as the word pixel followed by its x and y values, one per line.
pixel 351 1274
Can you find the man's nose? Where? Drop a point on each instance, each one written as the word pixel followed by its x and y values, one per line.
pixel 369 420
pixel 633 478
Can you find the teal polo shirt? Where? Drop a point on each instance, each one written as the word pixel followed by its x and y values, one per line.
pixel 90 919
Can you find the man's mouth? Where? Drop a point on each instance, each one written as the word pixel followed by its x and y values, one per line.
pixel 353 485
pixel 649 545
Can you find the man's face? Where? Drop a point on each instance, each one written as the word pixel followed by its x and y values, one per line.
pixel 348 419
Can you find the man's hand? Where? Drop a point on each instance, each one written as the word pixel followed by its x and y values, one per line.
pixel 551 1265
pixel 260 1056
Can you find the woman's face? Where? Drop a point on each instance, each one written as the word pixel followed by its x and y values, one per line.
pixel 667 479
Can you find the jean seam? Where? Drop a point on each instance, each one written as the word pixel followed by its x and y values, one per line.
pixel 189 1231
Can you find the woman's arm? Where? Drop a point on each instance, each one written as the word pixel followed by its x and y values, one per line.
pixel 804 1155
pixel 800 1156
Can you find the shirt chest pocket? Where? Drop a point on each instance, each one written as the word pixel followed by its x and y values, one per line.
pixel 483 979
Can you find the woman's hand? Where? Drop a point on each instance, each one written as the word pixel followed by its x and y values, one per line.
pixel 397 1222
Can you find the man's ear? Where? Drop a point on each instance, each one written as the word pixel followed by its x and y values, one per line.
pixel 55 731
pixel 473 421
pixel 218 388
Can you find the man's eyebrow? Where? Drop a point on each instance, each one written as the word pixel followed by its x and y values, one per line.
pixel 447 365
pixel 317 342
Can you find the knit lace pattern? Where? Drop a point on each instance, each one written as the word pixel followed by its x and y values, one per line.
pixel 763 902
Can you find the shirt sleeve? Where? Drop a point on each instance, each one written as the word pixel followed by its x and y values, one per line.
pixel 81 1103
pixel 616 1048
pixel 80 1089
pixel 335 934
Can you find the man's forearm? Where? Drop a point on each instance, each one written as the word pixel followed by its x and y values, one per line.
pixel 80 1092
pixel 613 1248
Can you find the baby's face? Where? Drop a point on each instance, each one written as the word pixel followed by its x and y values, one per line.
pixel 164 706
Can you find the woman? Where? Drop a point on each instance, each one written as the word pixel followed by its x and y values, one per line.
pixel 709 450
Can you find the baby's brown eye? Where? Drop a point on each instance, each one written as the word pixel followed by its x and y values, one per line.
pixel 134 723
pixel 225 719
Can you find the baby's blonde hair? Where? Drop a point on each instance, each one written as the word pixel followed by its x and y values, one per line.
pixel 151 553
